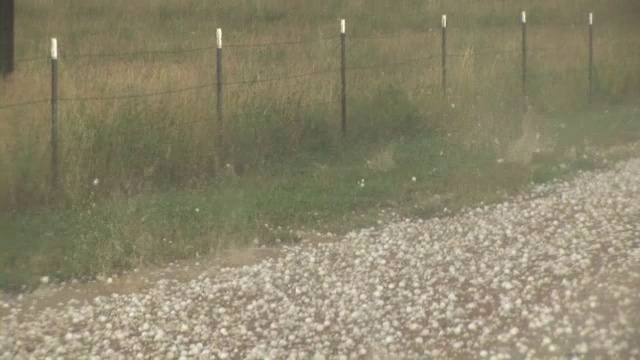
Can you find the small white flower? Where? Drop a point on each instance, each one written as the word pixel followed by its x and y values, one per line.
pixel 453 106
pixel 413 179
pixel 96 181
pixel 197 209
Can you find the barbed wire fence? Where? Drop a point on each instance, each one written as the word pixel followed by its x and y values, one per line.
pixel 220 84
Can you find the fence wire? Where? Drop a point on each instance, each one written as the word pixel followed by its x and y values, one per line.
pixel 391 65
pixel 418 36
pixel 23 104
pixel 33 59
pixel 138 53
pixel 284 78
pixel 135 96
pixel 488 50
pixel 73 143
pixel 279 43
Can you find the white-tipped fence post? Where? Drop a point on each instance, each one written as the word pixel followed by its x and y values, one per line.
pixel 590 91
pixel 54 113
pixel 220 136
pixel 219 75
pixel 343 74
pixel 444 54
pixel 525 95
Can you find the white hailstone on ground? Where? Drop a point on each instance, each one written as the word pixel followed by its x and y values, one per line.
pixel 440 287
pixel 582 348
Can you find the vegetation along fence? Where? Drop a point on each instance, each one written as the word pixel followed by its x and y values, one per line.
pixel 96 125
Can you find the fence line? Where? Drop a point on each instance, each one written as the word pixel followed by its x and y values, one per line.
pixel 525 51
pixel 394 64
pixel 485 51
pixel 74 56
pixel 24 103
pixel 138 53
pixel 278 43
pixel 285 78
pixel 557 49
pixel 135 96
pixel 391 37
pixel 201 120
pixel 33 59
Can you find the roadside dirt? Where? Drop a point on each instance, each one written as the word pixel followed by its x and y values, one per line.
pixel 57 295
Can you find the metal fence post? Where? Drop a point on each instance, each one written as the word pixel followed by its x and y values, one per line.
pixel 525 94
pixel 54 113
pixel 220 137
pixel 343 75
pixel 219 76
pixel 590 91
pixel 444 55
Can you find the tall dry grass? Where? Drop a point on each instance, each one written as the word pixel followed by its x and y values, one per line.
pixel 131 144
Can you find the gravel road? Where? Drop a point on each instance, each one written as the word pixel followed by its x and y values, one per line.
pixel 553 274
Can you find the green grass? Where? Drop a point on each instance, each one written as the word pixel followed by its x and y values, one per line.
pixel 103 236
pixel 283 161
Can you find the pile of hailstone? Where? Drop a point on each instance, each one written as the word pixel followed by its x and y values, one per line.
pixel 553 274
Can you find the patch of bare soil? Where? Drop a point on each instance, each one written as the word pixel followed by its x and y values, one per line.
pixel 137 281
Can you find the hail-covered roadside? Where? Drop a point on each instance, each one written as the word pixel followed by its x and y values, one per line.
pixel 554 274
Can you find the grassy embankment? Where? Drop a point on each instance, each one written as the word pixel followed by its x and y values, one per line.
pixel 160 194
